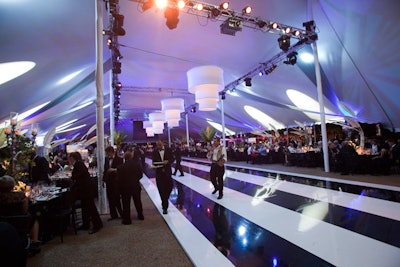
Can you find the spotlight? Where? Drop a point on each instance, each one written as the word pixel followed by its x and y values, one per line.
pixel 287 30
pixel 261 24
pixel 284 42
pixel 181 4
pixel 296 33
pixel 224 5
pixel 118 85
pixel 270 69
pixel 106 32
pixel 193 109
pixel 260 73
pixel 233 90
pixel 118 23
pixel 171 14
pixel 246 10
pixel 247 81
pixel 223 95
pixel 109 42
pixel 231 26
pixel 309 25
pixel 274 25
pixel 117 54
pixel 116 68
pixel 199 7
pixel 117 92
pixel 215 12
pixel 291 58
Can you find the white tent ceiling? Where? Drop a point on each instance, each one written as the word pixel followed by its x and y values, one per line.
pixel 357 42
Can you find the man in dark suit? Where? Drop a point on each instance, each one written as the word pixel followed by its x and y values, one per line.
pixel 162 160
pixel 129 175
pixel 40 169
pixel 112 161
pixel 178 159
pixel 82 185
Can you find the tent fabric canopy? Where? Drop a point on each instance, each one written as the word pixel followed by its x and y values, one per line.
pixel 357 42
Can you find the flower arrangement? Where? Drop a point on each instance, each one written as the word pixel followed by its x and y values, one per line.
pixel 21 187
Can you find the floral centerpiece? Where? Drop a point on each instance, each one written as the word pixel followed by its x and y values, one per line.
pixel 24 148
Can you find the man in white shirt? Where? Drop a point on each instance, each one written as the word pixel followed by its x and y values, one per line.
pixel 217 155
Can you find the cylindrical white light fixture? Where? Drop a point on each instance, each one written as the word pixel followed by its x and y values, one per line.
pixel 157 121
pixel 173 123
pixel 149 132
pixel 206 82
pixel 172 108
pixel 146 124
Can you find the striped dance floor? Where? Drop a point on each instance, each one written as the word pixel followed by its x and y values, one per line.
pixel 269 218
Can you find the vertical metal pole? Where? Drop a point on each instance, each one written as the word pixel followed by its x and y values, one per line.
pixel 320 97
pixel 187 129
pixel 99 103
pixel 223 121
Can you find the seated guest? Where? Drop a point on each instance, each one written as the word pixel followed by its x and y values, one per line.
pixel 16 203
pixel 347 159
pixel 128 175
pixel 40 169
pixel 381 163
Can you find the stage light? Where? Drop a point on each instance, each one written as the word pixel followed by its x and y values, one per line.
pixel 117 24
pixel 117 92
pixel 161 3
pixel 287 30
pixel 246 10
pixel 270 69
pixel 116 68
pixel 181 4
pixel 118 85
pixel 224 5
pixel 309 25
pixel 231 26
pixel 215 12
pixel 199 7
pixel 247 81
pixel 274 25
pixel 261 24
pixel 260 73
pixel 193 109
pixel 291 58
pixel 223 95
pixel 296 33
pixel 171 14
pixel 117 54
pixel 284 42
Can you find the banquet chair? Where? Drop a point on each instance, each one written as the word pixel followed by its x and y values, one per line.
pixel 64 214
pixel 22 223
pixel 12 250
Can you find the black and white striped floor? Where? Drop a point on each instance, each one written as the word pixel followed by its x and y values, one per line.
pixel 276 219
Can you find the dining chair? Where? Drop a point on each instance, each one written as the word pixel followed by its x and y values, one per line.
pixel 64 214
pixel 22 223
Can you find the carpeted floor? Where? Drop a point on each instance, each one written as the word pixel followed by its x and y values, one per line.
pixel 143 243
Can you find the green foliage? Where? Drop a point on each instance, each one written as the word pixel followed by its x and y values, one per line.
pixel 24 149
pixel 119 137
pixel 208 134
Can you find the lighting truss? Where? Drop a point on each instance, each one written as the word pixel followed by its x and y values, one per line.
pixel 269 65
pixel 216 13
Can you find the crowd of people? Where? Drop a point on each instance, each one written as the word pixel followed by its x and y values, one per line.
pixel 124 166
